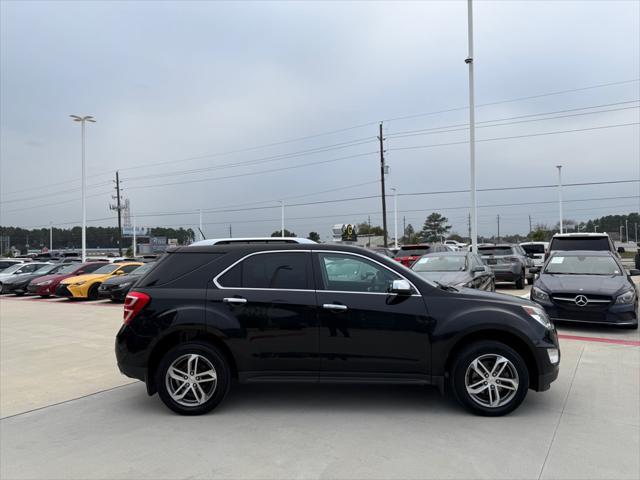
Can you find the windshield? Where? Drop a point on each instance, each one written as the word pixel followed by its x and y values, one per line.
pixel 141 270
pixel 67 268
pixel 107 269
pixel 13 268
pixel 495 251
pixel 583 265
pixel 444 263
pixel 47 269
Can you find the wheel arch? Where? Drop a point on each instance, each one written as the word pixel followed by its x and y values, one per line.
pixel 503 336
pixel 178 337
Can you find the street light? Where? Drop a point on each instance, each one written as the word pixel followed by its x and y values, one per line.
pixel 82 120
pixel 473 220
pixel 282 218
pixel 395 215
pixel 559 167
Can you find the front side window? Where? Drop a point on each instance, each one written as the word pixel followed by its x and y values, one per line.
pixel 348 273
pixel 129 268
pixel 285 271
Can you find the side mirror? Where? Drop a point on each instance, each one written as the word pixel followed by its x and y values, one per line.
pixel 80 272
pixel 620 249
pixel 118 272
pixel 400 287
pixel 634 272
pixel 534 270
pixel 478 269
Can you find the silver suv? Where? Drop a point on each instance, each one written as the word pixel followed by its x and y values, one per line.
pixel 508 262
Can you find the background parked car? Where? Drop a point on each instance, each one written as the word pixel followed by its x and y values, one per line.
pixel 7 262
pixel 46 286
pixel 536 251
pixel 458 269
pixel 508 262
pixel 86 286
pixel 17 284
pixel 587 286
pixel 116 288
pixel 18 269
pixel 581 241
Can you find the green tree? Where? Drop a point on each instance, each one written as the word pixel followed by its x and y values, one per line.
pixel 365 229
pixel 539 234
pixel 287 233
pixel 129 252
pixel 435 227
pixel 314 236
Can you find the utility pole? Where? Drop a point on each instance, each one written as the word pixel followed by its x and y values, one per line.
pixel 498 228
pixel 469 227
pixel 118 207
pixel 369 233
pixel 530 229
pixel 230 232
pixel 133 246
pixel 384 200
pixel 282 220
pixel 404 229
pixel 200 223
pixel 395 216
pixel 559 167
pixel 472 133
pixel 50 236
pixel 626 228
pixel 620 233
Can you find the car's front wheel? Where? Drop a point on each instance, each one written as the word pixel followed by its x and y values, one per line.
pixel 193 378
pixel 489 378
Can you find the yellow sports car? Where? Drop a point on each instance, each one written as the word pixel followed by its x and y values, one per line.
pixel 86 286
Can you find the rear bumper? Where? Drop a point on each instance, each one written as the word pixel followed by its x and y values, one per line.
pixel 507 275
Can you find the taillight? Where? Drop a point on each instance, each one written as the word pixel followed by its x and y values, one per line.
pixel 133 304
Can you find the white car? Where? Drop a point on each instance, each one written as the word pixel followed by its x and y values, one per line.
pixel 536 251
pixel 456 245
pixel 250 240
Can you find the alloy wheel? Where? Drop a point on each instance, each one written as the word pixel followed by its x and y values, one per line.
pixel 191 380
pixel 491 380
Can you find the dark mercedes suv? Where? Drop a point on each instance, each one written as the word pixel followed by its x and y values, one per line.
pixel 204 316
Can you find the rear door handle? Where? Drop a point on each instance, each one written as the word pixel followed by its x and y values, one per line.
pixel 234 300
pixel 334 306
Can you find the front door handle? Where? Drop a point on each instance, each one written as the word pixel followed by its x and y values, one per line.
pixel 234 300
pixel 334 306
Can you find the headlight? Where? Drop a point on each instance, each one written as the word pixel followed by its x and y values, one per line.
pixel 81 282
pixel 626 297
pixel 47 282
pixel 539 295
pixel 539 315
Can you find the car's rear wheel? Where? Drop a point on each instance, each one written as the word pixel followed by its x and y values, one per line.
pixel 193 378
pixel 530 281
pixel 19 293
pixel 489 378
pixel 44 296
pixel 520 282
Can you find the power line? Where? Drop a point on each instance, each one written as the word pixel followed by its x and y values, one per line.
pixel 517 99
pixel 556 132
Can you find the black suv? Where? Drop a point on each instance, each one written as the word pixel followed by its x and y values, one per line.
pixel 204 316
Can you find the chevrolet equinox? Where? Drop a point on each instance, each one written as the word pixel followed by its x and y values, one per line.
pixel 207 315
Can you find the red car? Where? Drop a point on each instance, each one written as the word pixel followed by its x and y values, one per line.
pixel 46 286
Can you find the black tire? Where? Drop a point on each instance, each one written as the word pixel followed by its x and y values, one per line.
pixel 219 363
pixel 44 296
pixel 530 281
pixel 19 293
pixel 520 282
pixel 463 362
pixel 93 292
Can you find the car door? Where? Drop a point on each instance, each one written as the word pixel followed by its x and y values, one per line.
pixel 268 298
pixel 364 330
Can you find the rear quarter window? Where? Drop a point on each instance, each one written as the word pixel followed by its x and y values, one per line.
pixel 181 270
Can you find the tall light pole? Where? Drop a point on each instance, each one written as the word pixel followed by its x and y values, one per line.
pixel 83 120
pixel 559 167
pixel 282 219
pixel 395 216
pixel 472 132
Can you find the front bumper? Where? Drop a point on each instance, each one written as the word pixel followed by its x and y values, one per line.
pixel 42 290
pixel 621 315
pixel 14 287
pixel 547 371
pixel 115 293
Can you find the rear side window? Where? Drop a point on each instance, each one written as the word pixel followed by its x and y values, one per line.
pixel 597 243
pixel 288 271
pixel 192 268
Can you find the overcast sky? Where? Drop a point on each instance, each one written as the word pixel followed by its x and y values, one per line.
pixel 183 92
